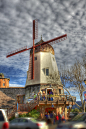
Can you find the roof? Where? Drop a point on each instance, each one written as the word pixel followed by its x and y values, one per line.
pixel 15 87
pixel 41 41
pixel 45 46
pixel 6 101
pixel 2 76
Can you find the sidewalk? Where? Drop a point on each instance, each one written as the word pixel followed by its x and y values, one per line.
pixel 51 126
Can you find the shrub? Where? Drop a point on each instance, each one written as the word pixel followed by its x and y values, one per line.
pixel 34 113
pixel 72 110
pixel 76 110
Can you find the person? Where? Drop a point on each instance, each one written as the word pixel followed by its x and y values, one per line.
pixel 46 116
pixel 34 96
pixel 54 115
pixel 63 118
pixel 48 120
pixel 51 117
pixel 40 95
pixel 59 115
pixel 57 118
pixel 43 95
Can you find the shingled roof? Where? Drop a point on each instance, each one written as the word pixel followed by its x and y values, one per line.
pixel 6 101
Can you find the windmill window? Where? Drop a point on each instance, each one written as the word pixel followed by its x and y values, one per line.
pixel 35 58
pixel 47 72
pixel 59 91
pixel 53 59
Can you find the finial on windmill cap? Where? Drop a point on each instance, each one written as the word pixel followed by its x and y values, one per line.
pixel 41 37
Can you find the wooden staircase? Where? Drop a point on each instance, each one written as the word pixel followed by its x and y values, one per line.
pixel 22 107
pixel 29 106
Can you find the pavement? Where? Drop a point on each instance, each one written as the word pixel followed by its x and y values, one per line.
pixel 52 126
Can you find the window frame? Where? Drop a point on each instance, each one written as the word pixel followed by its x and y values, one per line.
pixel 59 91
pixel 35 58
pixel 3 84
pixel 47 71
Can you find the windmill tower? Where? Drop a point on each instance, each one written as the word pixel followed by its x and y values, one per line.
pixel 43 69
pixel 46 73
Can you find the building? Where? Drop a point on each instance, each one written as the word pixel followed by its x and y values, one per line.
pixel 46 78
pixel 4 82
pixel 45 73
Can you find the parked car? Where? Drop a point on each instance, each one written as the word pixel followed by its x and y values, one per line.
pixel 4 123
pixel 78 122
pixel 27 123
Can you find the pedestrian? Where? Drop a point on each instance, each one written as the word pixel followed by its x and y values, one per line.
pixel 40 95
pixel 59 115
pixel 54 115
pixel 51 117
pixel 46 116
pixel 48 120
pixel 63 118
pixel 34 96
pixel 57 118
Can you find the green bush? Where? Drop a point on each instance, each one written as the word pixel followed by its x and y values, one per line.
pixel 76 110
pixel 34 113
pixel 72 110
pixel 80 109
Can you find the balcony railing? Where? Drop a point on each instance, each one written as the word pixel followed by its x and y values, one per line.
pixel 60 97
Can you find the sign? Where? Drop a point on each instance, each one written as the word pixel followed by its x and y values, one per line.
pixel 85 95
pixel 16 115
pixel 70 105
pixel 52 105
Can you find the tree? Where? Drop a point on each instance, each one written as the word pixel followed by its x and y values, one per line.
pixel 54 78
pixel 84 65
pixel 75 77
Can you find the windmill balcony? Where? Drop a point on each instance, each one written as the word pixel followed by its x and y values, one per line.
pixel 57 98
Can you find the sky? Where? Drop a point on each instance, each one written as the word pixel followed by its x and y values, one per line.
pixel 55 18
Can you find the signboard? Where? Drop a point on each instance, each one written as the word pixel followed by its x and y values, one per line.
pixel 52 106
pixel 85 96
pixel 16 115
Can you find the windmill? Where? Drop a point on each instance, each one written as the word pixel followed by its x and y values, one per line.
pixel 38 46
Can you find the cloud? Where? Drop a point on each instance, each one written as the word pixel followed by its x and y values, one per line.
pixel 15 85
pixel 55 18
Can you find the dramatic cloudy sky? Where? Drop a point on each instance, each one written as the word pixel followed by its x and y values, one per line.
pixel 55 18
